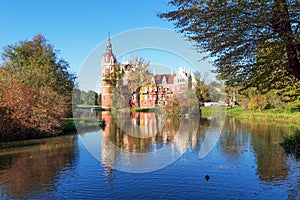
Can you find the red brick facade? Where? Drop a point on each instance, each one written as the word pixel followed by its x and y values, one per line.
pixel 161 91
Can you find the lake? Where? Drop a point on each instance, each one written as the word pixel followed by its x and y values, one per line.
pixel 146 156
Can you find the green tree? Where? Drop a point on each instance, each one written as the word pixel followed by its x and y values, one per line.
pixel 91 98
pixel 35 64
pixel 140 75
pixel 76 96
pixel 232 31
pixel 124 87
pixel 201 89
pixel 83 97
pixel 35 90
pixel 215 91
pixel 259 102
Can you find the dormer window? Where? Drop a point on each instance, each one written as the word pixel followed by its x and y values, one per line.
pixel 164 80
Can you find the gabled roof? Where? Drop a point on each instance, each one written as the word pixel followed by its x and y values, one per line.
pixel 169 78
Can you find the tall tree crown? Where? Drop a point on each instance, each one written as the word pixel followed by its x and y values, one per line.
pixel 233 31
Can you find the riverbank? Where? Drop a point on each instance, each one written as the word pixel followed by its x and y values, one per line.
pixel 87 106
pixel 73 123
pixel 272 115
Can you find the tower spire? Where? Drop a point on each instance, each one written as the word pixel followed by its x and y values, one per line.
pixel 108 44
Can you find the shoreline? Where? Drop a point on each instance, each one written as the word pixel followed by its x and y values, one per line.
pixel 272 115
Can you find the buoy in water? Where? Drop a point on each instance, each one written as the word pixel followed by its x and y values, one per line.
pixel 207 177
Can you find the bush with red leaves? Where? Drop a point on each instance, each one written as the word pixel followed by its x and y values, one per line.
pixel 30 113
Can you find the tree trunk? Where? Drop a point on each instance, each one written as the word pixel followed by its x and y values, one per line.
pixel 282 25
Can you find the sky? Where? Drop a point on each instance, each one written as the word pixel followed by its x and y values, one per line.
pixel 80 28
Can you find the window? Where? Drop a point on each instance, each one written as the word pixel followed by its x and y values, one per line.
pixel 103 98
pixel 145 102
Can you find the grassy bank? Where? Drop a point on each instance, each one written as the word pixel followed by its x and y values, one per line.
pixel 71 124
pixel 87 106
pixel 274 115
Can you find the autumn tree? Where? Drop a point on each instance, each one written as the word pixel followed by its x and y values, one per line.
pixel 125 84
pixel 35 64
pixel 35 90
pixel 233 31
pixel 201 89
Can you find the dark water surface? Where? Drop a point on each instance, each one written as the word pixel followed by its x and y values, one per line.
pixel 245 163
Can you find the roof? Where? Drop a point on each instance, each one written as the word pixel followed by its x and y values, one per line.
pixel 107 56
pixel 169 78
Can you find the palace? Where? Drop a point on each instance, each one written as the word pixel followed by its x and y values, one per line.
pixel 161 91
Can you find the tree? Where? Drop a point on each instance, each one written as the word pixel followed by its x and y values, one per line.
pixel 30 113
pixel 113 78
pixel 99 99
pixel 91 98
pixel 76 99
pixel 35 90
pixel 232 32
pixel 215 91
pixel 268 73
pixel 83 97
pixel 35 64
pixel 140 75
pixel 123 87
pixel 201 89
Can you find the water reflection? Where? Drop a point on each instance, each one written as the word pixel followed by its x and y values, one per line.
pixel 32 169
pixel 165 142
pixel 246 151
pixel 236 139
pixel 263 140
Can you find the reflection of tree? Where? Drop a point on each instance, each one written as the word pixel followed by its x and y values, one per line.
pixel 269 154
pixel 234 139
pixel 34 168
pixel 237 136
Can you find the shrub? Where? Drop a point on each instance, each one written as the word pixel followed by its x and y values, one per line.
pixel 259 102
pixel 275 100
pixel 30 113
pixel 244 103
pixel 291 143
pixel 294 106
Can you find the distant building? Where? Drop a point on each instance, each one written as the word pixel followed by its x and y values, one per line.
pixel 108 63
pixel 161 90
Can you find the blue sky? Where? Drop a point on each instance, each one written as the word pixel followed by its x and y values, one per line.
pixel 76 28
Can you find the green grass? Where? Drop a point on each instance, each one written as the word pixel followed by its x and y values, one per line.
pixel 268 115
pixel 156 109
pixel 86 106
pixel 71 124
pixel 206 111
pixel 273 115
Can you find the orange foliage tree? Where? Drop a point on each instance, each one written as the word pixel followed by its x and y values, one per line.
pixel 35 90
pixel 30 113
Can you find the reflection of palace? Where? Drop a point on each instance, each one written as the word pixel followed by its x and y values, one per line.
pixel 236 141
pixel 159 92
pixel 117 143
